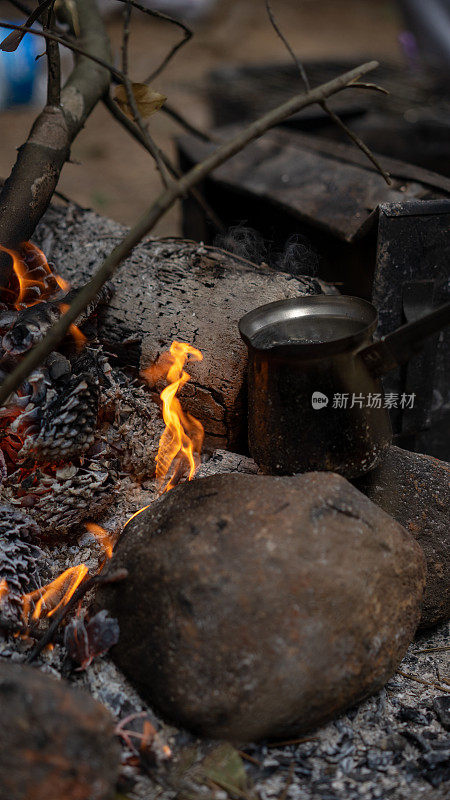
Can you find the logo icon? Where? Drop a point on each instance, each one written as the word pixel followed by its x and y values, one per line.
pixel 319 400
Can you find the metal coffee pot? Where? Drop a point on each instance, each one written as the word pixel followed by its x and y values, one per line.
pixel 315 398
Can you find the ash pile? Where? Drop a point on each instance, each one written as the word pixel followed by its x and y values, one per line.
pixel 243 635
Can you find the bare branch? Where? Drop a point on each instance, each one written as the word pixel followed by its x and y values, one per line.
pixel 12 41
pixel 115 73
pixel 159 208
pixel 160 15
pixel 194 129
pixel 71 45
pixel 150 143
pixel 336 119
pixel 27 192
pixel 53 63
pixel 131 127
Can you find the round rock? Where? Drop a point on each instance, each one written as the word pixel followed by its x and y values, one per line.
pixel 261 606
pixel 55 742
pixel 415 490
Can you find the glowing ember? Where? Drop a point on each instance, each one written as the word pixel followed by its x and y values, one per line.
pixel 37 283
pixel 103 537
pixel 48 599
pixel 181 443
pixel 36 280
pixel 79 337
pixel 4 590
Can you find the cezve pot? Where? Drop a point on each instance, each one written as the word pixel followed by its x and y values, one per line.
pixel 314 387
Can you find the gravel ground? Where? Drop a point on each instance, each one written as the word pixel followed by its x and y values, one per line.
pixel 395 745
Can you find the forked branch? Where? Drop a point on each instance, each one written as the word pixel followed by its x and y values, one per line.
pixel 27 192
pixel 158 209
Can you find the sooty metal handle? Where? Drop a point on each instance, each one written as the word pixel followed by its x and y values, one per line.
pixel 397 347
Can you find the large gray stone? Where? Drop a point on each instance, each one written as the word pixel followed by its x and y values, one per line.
pixel 415 490
pixel 262 606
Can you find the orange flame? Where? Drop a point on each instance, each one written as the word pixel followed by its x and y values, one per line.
pixel 48 599
pixel 4 590
pixel 103 537
pixel 181 443
pixel 36 280
pixel 79 337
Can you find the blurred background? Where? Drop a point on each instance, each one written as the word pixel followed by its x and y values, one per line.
pixel 111 173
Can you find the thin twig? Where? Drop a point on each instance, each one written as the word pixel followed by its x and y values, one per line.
pixel 187 34
pixel 116 73
pixel 289 779
pixel 194 129
pixel 293 741
pixel 89 582
pixel 323 104
pixel 152 148
pixel 356 140
pixel 12 41
pixel 66 43
pixel 132 128
pixel 53 63
pixel 157 210
pixel 434 649
pixel 421 680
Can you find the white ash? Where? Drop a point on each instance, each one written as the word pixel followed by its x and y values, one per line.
pixel 392 745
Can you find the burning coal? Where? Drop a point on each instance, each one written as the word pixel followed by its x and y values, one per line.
pixel 53 457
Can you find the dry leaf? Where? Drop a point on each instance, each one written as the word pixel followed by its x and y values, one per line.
pixel 147 100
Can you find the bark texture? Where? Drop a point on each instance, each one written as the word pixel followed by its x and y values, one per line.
pixel 28 191
pixel 175 290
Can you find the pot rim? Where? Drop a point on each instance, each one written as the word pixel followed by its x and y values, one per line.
pixel 353 308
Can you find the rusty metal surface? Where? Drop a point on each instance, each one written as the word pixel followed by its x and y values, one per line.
pixel 411 275
pixel 328 186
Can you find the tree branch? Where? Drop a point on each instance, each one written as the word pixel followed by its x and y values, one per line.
pixel 116 73
pixel 53 64
pixel 336 119
pixel 27 192
pixel 131 100
pixel 131 127
pixel 177 189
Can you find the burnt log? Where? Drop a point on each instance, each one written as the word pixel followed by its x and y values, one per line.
pixel 414 489
pixel 175 290
pixel 55 742
pixel 276 602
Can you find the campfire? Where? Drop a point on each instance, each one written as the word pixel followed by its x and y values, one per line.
pixel 220 574
pixel 34 457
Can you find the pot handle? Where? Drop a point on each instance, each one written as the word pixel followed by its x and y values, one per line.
pixel 397 347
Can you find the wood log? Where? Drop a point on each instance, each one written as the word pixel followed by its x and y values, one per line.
pixel 175 290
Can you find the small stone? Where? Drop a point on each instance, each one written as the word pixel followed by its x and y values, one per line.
pixel 442 707
pixel 55 742
pixel 261 606
pixel 414 489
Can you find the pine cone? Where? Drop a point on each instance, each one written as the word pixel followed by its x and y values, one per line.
pixel 21 562
pixel 69 423
pixel 62 502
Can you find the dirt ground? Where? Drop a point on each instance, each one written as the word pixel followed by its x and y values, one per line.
pixel 113 174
